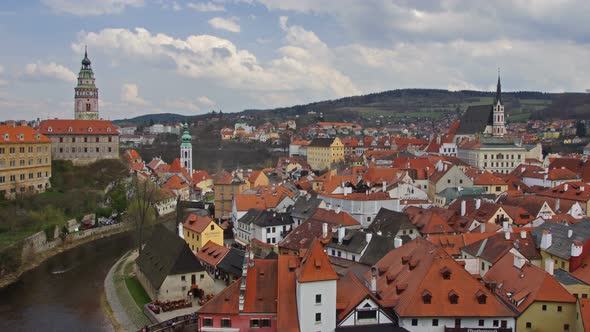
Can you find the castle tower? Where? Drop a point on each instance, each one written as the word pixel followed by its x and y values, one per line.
pixel 499 122
pixel 86 93
pixel 186 151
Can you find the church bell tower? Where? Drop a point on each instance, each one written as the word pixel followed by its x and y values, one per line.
pixel 499 122
pixel 86 93
pixel 186 151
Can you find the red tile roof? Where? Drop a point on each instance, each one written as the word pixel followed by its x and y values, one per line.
pixel 452 244
pixel 199 176
pixel 406 275
pixel 584 305
pixel 78 127
pixel 225 302
pixel 211 253
pixel 315 265
pixel 132 155
pixel 527 284
pixel 175 182
pixel 197 223
pixel 333 218
pixel 350 291
pixel 12 134
pixel 287 317
pixel 261 286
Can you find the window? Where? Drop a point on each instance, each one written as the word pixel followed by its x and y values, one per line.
pixel 254 323
pixel 481 322
pixel 182 278
pixel 544 307
pixel 414 322
pixel 496 323
pixel 97 139
pixel 498 188
pixel 566 327
pixel 207 321
pixel 529 325
pixel 584 296
pixel 225 322
pixel 435 322
pixel 265 322
pixel 21 150
pixel 558 308
pixel 367 314
pixel 212 227
pixel 318 298
pixel 318 317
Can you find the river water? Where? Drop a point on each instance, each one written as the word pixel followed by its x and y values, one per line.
pixel 64 293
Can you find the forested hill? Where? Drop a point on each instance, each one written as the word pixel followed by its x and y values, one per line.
pixel 422 103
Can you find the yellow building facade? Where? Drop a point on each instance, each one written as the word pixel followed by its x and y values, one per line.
pixel 25 161
pixel 198 230
pixel 226 187
pixel 322 153
pixel 535 318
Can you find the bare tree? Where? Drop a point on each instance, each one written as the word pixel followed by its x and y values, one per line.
pixel 144 193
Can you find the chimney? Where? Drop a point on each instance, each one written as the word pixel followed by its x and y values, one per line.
pixel 507 235
pixel 180 232
pixel 482 228
pixel 337 209
pixel 324 230
pixel 565 187
pixel 523 234
pixel 379 233
pixel 518 262
pixel 570 232
pixel 582 188
pixel 374 279
pixel 546 240
pixel 341 233
pixel 384 186
pixel 397 242
pixel 549 265
pixel 368 237
pixel 557 205
pixel 505 226
pixel 523 169
pixel 477 203
pixel 577 248
pixel 463 208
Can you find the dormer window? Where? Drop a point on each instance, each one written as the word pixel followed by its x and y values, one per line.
pixel 6 137
pixel 89 129
pixel 446 273
pixel 481 297
pixel 426 297
pixel 21 137
pixel 49 129
pixel 108 129
pixel 70 129
pixel 453 297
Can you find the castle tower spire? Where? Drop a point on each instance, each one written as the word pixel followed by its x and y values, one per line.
pixel 86 93
pixel 498 90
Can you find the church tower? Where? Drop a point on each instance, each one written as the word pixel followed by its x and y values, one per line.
pixel 186 151
pixel 86 93
pixel 498 126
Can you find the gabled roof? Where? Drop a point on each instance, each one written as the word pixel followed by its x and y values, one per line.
pixel 197 223
pixel 212 253
pixel 78 127
pixel 428 221
pixel 265 218
pixel 199 176
pixel 584 305
pixel 560 242
pixel 334 218
pixel 475 119
pixel 405 276
pixel 575 191
pixel 453 244
pixel 303 235
pixel 493 248
pixel 379 247
pixel 315 265
pixel 354 241
pixel 527 284
pixel 21 134
pixel 175 182
pixel 166 254
pixel 232 262
pixel 321 142
pixel 305 206
pixel 350 292
pixel 226 302
pixel 261 286
pixel 390 222
pixel 287 317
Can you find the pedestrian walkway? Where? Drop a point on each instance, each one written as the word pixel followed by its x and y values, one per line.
pixel 125 310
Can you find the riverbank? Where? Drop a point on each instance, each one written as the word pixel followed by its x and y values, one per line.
pixel 71 243
pixel 120 306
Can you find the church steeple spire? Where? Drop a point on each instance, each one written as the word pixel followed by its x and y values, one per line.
pixel 86 93
pixel 498 90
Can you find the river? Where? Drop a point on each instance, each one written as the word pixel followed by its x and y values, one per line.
pixel 64 293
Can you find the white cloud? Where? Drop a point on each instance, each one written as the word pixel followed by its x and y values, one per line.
pixel 130 94
pixel 91 7
pixel 225 24
pixel 206 101
pixel 181 105
pixel 50 70
pixel 206 7
pixel 2 81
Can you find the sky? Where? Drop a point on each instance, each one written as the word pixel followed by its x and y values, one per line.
pixel 191 57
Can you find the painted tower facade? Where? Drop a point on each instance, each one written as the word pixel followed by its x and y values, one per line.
pixel 86 93
pixel 499 122
pixel 186 151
